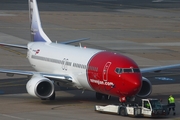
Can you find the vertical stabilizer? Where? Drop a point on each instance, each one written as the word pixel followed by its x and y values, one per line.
pixel 37 33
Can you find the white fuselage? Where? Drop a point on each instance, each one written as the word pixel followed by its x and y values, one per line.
pixel 61 59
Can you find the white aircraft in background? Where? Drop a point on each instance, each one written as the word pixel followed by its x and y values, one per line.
pixel 106 73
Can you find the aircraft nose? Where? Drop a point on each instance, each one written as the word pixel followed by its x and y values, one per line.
pixel 132 83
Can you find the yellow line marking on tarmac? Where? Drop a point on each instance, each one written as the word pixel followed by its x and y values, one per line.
pixel 13 83
pixel 4 83
pixel 13 51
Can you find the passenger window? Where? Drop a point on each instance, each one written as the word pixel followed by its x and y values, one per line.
pixel 118 70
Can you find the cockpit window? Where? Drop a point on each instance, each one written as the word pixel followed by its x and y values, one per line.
pixel 118 70
pixel 127 70
pixel 136 70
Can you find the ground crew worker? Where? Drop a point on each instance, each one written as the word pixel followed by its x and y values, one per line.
pixel 171 104
pixel 147 105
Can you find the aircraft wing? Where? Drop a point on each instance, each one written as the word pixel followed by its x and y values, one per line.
pixel 158 69
pixel 55 77
pixel 13 45
pixel 25 47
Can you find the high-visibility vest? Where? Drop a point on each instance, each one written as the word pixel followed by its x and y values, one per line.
pixel 147 105
pixel 171 100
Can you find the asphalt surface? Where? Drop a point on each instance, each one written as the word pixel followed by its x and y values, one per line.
pixel 147 31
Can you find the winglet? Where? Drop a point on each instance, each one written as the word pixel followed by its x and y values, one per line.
pixel 37 33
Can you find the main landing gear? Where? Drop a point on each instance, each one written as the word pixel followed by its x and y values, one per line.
pixel 53 96
pixel 99 96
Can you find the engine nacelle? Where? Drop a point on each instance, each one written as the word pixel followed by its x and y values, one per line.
pixel 40 86
pixel 146 88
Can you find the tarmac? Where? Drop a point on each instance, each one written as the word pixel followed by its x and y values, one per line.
pixel 144 30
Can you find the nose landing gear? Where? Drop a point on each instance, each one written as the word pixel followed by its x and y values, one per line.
pixel 122 99
pixel 126 99
pixel 99 96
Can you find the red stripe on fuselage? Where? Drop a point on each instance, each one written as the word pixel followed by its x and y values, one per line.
pixel 103 78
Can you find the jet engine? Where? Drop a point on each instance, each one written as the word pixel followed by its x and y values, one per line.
pixel 40 86
pixel 146 88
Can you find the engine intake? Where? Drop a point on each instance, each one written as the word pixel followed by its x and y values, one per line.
pixel 146 88
pixel 40 86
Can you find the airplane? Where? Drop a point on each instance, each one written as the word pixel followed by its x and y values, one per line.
pixel 104 72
